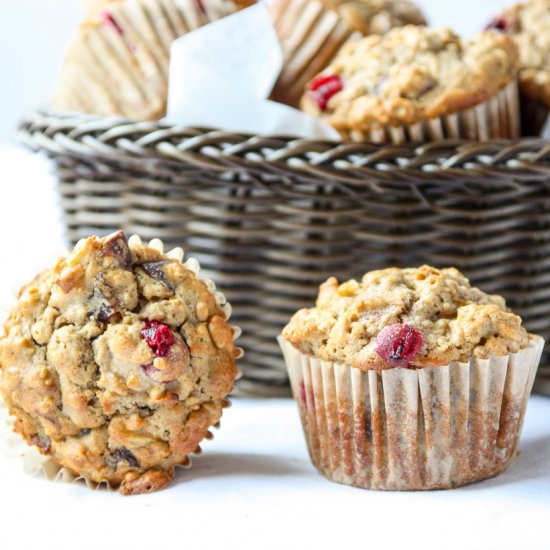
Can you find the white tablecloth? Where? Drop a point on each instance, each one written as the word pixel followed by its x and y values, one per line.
pixel 254 487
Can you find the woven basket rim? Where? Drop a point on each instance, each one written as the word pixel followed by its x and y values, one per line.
pixel 116 140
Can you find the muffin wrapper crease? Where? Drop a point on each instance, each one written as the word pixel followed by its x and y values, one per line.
pixel 402 429
pixel 496 118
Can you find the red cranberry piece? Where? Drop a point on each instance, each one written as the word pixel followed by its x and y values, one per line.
pixel 109 21
pixel 398 344
pixel 159 337
pixel 323 87
pixel 500 23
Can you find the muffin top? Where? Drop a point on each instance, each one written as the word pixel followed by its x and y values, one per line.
pixel 529 25
pixel 116 362
pixel 410 74
pixel 377 16
pixel 411 318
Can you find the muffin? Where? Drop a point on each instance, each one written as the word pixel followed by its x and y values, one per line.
pixel 410 379
pixel 529 25
pixel 377 16
pixel 118 63
pixel 117 361
pixel 312 32
pixel 419 84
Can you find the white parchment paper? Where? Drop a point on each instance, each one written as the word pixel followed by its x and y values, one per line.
pixel 222 74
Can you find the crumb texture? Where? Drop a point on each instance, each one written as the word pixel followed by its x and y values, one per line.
pixel 116 362
pixel 377 16
pixel 455 321
pixel 412 74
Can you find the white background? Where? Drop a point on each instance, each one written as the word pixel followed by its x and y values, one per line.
pixel 254 487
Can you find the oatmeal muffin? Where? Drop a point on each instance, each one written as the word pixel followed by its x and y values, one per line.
pixel 410 379
pixel 417 83
pixel 116 362
pixel 529 25
pixel 312 32
pixel 118 63
pixel 377 16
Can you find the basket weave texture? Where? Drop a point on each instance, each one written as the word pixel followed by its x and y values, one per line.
pixel 270 218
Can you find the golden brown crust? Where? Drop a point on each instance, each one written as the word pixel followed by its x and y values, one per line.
pixel 150 481
pixel 456 321
pixel 413 74
pixel 87 386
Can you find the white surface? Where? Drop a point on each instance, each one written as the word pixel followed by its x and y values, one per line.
pixel 254 487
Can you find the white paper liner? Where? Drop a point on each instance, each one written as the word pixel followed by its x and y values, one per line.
pixel 497 118
pixel 216 87
pixel 432 428
pixel 35 463
pixel 311 35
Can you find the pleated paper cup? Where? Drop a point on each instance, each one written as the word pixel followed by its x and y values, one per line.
pixel 402 430
pixel 118 63
pixel 37 464
pixel 496 118
pixel 311 35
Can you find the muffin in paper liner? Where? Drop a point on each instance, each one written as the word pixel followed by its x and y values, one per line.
pixel 117 65
pixel 528 24
pixel 36 463
pixel 419 84
pixel 496 118
pixel 401 429
pixel 311 35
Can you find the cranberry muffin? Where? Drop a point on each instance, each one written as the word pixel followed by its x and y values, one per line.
pixel 116 362
pixel 417 83
pixel 529 25
pixel 410 379
pixel 312 32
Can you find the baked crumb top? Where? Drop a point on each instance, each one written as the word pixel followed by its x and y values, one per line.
pixel 438 309
pixel 411 74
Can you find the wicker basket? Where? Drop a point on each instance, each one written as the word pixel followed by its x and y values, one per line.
pixel 270 218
